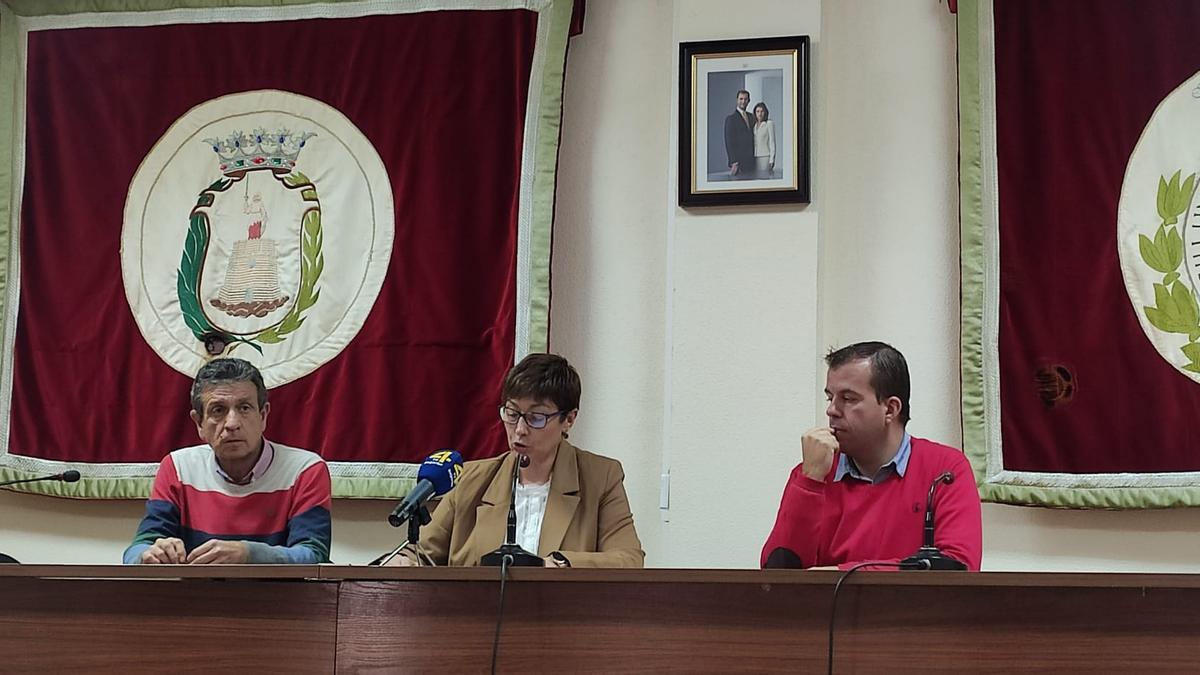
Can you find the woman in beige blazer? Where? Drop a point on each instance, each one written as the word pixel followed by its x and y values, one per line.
pixel 571 505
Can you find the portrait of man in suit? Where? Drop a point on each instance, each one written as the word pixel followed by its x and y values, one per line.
pixel 739 138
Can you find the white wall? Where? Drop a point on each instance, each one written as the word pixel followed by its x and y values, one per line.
pixel 608 302
pixel 699 333
pixel 889 232
pixel 742 297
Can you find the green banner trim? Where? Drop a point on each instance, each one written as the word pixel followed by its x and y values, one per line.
pixel 139 488
pixel 10 98
pixel 549 125
pixel 972 259
pixel 371 488
pixel 1110 498
pixel 86 488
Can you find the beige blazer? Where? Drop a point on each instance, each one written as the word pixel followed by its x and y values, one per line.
pixel 587 513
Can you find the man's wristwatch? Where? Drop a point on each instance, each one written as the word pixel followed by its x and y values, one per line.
pixel 559 559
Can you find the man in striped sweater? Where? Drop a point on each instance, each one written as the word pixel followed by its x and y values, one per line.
pixel 237 498
pixel 860 493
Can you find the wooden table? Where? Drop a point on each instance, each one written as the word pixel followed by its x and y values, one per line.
pixel 352 619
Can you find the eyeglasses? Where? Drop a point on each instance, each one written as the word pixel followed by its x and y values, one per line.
pixel 534 420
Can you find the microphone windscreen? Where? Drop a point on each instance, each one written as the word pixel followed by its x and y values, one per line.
pixel 70 476
pixel 783 559
pixel 442 468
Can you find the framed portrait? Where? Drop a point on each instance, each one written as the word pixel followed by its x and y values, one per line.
pixel 743 122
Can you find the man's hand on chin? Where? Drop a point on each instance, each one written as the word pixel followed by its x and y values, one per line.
pixel 219 552
pixel 818 446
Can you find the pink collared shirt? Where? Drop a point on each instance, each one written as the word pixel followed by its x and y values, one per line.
pixel 260 467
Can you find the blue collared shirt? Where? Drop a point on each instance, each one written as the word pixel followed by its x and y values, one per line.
pixel 898 465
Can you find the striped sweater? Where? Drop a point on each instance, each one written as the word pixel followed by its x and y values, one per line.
pixel 282 514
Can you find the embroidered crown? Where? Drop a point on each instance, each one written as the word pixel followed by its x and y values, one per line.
pixel 258 149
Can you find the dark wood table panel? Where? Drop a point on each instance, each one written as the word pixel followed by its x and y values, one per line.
pixel 167 625
pixel 1002 629
pixel 766 621
pixel 365 620
pixel 552 626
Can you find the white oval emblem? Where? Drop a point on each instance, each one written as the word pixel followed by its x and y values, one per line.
pixel 259 226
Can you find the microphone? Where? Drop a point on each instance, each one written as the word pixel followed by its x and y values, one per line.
pixel 929 557
pixel 437 476
pixel 69 476
pixel 510 531
pixel 510 553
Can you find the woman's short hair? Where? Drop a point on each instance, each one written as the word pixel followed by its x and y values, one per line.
pixel 543 377
pixel 766 110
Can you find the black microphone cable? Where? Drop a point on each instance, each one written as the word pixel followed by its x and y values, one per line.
pixel 506 560
pixel 504 565
pixel 838 587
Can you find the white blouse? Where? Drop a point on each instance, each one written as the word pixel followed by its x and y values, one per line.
pixel 764 140
pixel 531 508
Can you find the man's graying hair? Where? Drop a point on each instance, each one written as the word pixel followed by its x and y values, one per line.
pixel 226 371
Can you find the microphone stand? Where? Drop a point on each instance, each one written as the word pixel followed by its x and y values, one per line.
pixel 510 553
pixel 419 517
pixel 929 556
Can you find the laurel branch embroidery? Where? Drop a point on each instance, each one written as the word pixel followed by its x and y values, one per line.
pixel 1175 307
pixel 195 248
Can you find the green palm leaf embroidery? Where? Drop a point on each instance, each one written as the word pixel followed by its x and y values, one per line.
pixel 187 285
pixel 1175 308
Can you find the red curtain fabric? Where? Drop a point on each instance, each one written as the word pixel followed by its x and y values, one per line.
pixel 441 96
pixel 578 9
pixel 1076 83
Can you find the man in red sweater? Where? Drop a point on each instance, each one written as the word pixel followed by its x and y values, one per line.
pixel 861 490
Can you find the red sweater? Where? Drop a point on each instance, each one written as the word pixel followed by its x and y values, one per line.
pixel 851 521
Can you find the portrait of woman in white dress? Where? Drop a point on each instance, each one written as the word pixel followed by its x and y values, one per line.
pixel 764 142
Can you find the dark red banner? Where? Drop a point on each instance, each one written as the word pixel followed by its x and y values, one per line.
pixel 1083 389
pixel 440 95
